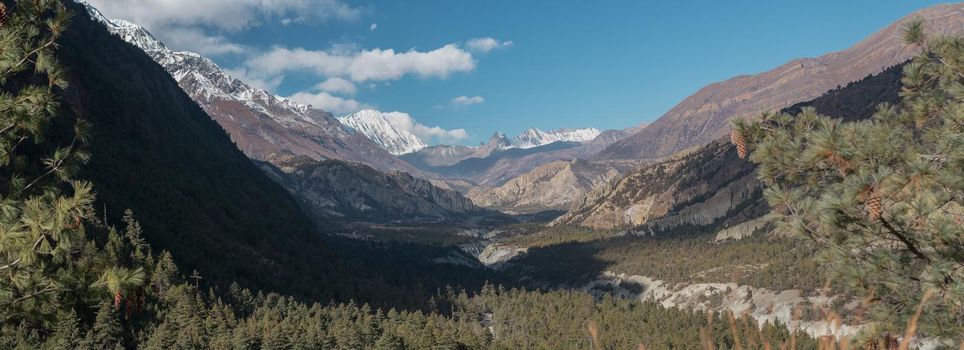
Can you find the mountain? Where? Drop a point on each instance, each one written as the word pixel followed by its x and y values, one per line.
pixel 196 195
pixel 438 156
pixel 550 186
pixel 534 137
pixel 704 116
pixel 500 159
pixel 378 127
pixel 356 192
pixel 260 123
pixel 709 187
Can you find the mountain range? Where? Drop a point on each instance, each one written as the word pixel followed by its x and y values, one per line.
pixel 196 195
pixel 703 116
pixel 276 130
pixel 709 187
pixel 512 173
pixel 391 131
pixel 259 122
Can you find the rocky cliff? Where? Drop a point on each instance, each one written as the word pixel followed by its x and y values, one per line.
pixel 551 186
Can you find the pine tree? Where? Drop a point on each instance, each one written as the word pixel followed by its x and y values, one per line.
pixel 882 198
pixel 66 334
pixel 45 215
pixel 107 333
pixel 389 341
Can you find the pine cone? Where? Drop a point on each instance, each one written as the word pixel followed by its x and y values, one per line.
pixel 737 138
pixel 873 206
pixel 920 121
pixel 128 308
pixel 4 14
pixel 74 225
pixel 117 300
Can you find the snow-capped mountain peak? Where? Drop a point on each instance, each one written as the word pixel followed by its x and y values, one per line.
pixel 263 125
pixel 202 78
pixel 534 137
pixel 383 128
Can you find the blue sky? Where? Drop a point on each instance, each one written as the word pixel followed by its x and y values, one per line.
pixel 548 64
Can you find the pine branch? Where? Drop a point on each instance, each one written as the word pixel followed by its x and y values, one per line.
pixel 910 246
pixel 53 169
pixel 34 248
pixel 26 57
pixel 7 266
pixel 35 294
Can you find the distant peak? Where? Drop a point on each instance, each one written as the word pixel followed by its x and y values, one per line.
pixel 534 137
pixel 380 128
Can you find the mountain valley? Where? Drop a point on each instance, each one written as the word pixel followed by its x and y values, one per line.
pixel 159 198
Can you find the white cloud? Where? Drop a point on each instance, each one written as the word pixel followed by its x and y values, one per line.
pixel 428 134
pixel 484 45
pixel 195 40
pixel 337 86
pixel 365 65
pixel 373 27
pixel 332 104
pixel 467 101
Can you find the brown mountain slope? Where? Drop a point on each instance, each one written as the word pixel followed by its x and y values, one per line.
pixel 710 187
pixel 551 186
pixel 703 116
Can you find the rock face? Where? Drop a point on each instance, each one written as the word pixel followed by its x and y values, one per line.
pixel 495 256
pixel 551 186
pixel 378 127
pixel 741 230
pixel 762 304
pixel 710 187
pixel 690 189
pixel 703 116
pixel 352 191
pixel 260 123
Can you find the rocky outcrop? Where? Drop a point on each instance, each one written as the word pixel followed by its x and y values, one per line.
pixel 352 191
pixel 762 304
pixel 693 189
pixel 552 186
pixel 741 230
pixel 495 256
pixel 704 116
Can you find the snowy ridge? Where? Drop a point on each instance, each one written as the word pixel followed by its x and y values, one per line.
pixel 534 137
pixel 380 128
pixel 202 78
pixel 207 83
